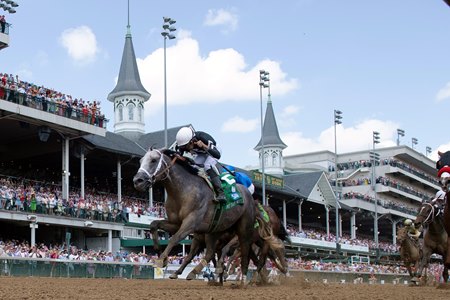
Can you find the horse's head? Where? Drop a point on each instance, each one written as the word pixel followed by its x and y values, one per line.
pixel 154 167
pixel 427 212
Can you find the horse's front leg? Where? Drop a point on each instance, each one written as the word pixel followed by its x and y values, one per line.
pixel 187 227
pixel 164 225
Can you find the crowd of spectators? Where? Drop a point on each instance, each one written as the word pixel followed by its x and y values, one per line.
pixel 49 100
pixel 39 197
pixel 386 204
pixel 318 234
pixel 62 252
pixel 342 167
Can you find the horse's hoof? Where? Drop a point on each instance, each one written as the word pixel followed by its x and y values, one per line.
pixel 190 276
pixel 173 276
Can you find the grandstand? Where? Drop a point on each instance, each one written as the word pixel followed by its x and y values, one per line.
pixel 55 145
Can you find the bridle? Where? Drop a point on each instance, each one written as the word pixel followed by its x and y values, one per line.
pixel 431 215
pixel 159 170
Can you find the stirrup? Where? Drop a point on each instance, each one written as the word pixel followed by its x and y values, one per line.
pixel 218 199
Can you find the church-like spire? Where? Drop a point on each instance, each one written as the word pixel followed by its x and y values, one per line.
pixel 129 81
pixel 129 95
pixel 270 130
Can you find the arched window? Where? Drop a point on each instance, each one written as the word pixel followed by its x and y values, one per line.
pixel 274 159
pixel 120 113
pixel 130 112
pixel 140 113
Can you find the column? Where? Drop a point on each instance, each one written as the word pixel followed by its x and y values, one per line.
pixel 33 227
pixel 119 181
pixel 327 215
pixel 65 165
pixel 150 196
pixel 394 231
pixel 300 227
pixel 284 213
pixel 110 240
pixel 340 225
pixel 82 174
pixel 353 225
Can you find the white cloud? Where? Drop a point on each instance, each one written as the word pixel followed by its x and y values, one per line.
pixel 443 93
pixel 222 75
pixel 80 43
pixel 238 124
pixel 222 17
pixel 288 116
pixel 349 139
pixel 289 111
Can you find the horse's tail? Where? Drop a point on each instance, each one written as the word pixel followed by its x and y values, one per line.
pixel 266 233
pixel 284 235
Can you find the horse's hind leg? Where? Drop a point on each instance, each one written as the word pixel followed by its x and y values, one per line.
pixel 220 264
pixel 195 247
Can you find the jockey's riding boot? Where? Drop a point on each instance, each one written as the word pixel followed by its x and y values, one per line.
pixel 217 184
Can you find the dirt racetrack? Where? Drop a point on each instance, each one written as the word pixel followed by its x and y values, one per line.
pixel 294 288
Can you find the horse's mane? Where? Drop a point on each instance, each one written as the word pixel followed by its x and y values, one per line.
pixel 185 162
pixel 401 233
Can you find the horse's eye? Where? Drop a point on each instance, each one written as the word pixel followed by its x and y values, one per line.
pixel 153 160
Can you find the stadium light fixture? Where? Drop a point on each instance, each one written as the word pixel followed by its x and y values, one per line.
pixel 400 132
pixel 166 34
pixel 414 142
pixel 264 82
pixel 337 121
pixel 374 158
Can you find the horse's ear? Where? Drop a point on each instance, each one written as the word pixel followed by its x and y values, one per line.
pixel 440 153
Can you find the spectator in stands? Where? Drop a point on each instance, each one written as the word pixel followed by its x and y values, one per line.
pixel 3 23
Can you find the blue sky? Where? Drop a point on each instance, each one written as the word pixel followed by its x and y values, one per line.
pixel 385 64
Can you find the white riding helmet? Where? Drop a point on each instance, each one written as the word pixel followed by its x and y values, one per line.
pixel 408 222
pixel 440 195
pixel 184 136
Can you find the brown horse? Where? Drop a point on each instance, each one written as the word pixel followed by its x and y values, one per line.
pixel 269 241
pixel 274 249
pixel 190 207
pixel 409 251
pixel 430 217
pixel 443 166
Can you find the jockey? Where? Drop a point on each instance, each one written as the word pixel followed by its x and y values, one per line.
pixel 242 178
pixel 439 198
pixel 412 231
pixel 203 148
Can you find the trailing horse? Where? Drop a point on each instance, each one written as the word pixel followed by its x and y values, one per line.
pixel 443 166
pixel 409 251
pixel 430 217
pixel 270 246
pixel 190 207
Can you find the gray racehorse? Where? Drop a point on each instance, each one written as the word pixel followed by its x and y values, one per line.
pixel 190 207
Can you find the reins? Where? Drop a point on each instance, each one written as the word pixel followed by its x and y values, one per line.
pixel 160 163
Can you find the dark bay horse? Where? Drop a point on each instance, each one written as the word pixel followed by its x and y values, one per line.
pixel 269 240
pixel 430 217
pixel 190 207
pixel 409 251
pixel 271 248
pixel 443 166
